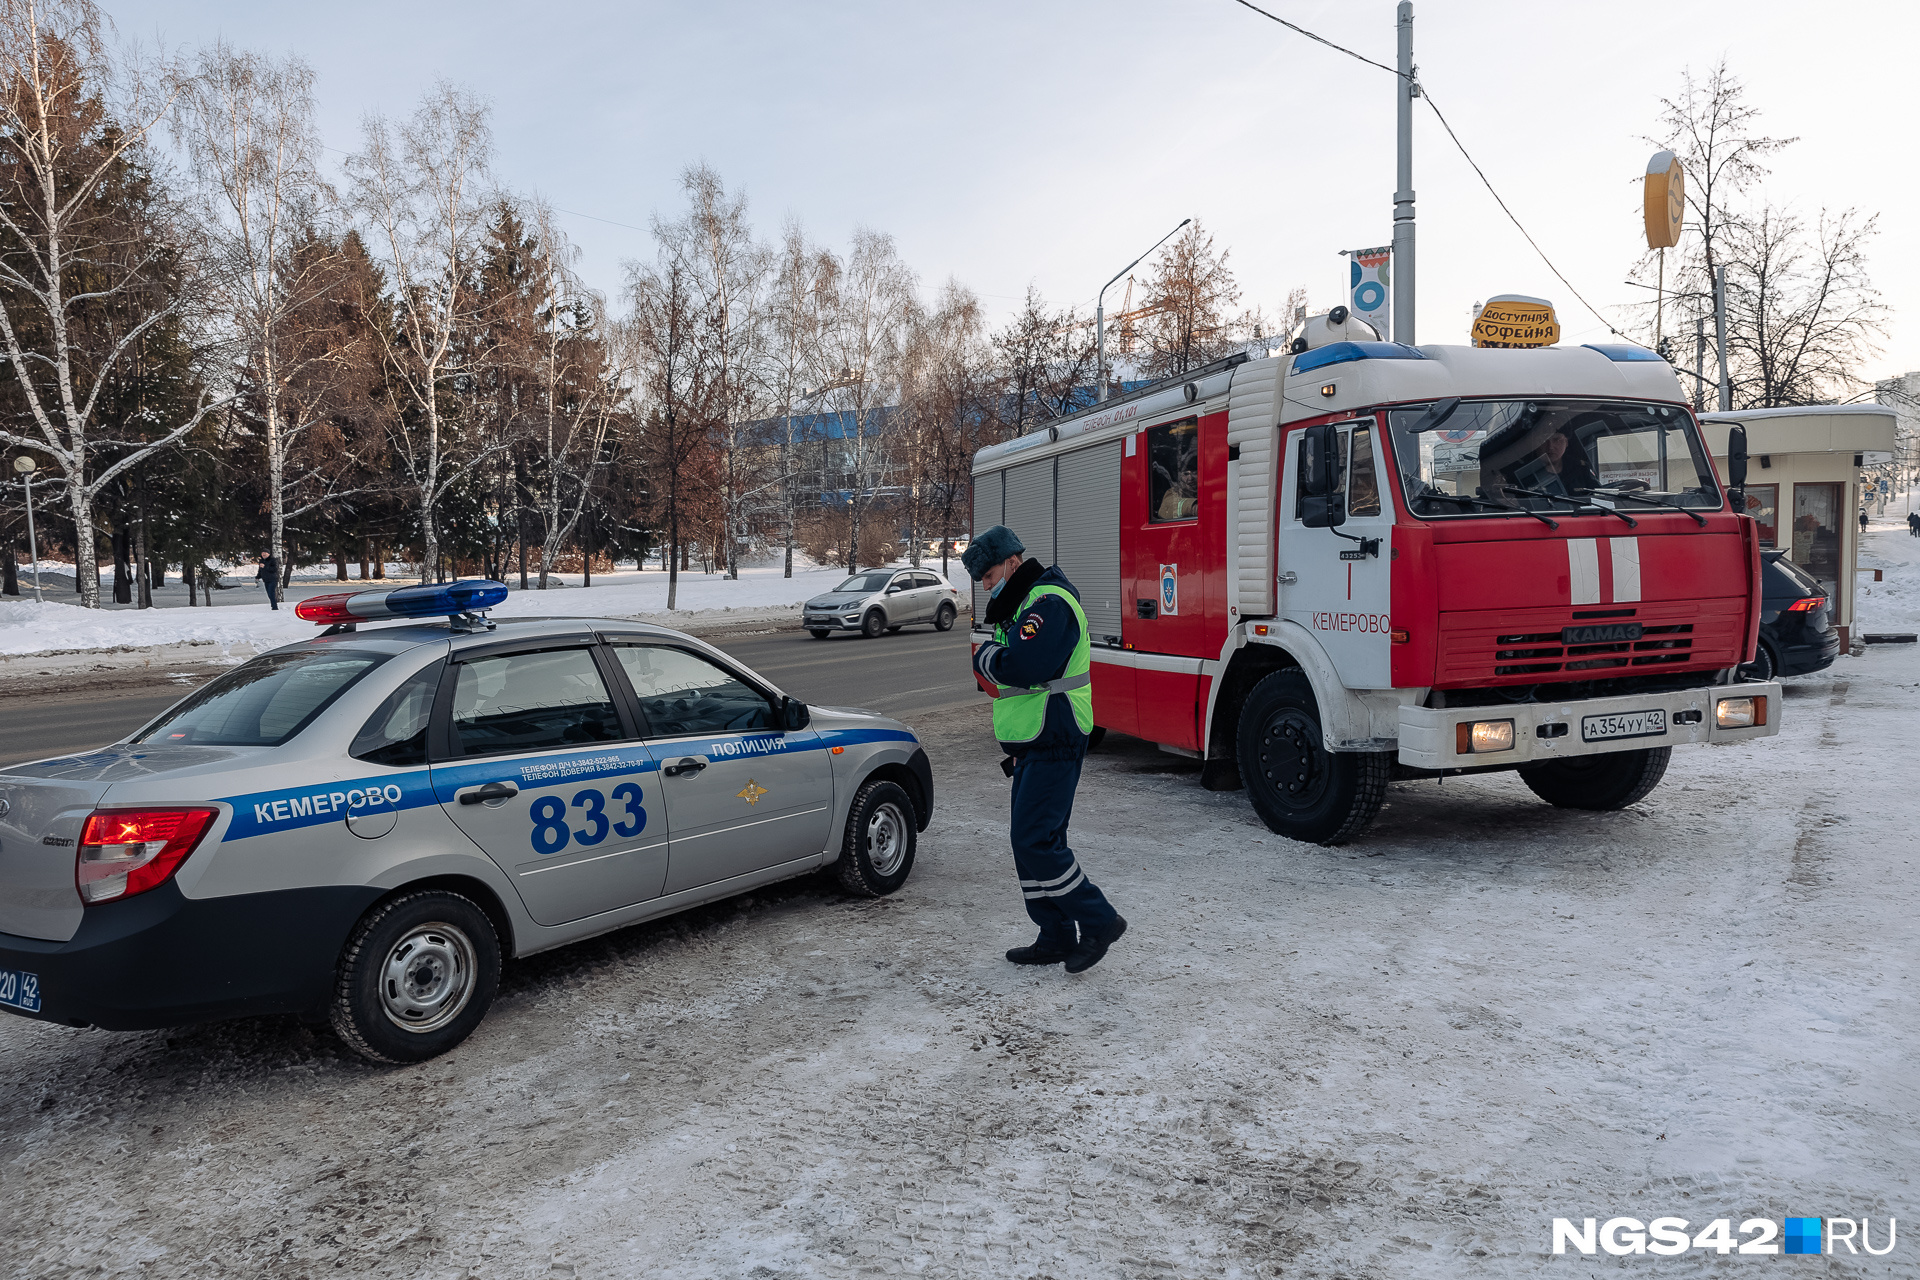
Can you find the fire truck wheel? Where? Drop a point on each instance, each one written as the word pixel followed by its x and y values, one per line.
pixel 1299 788
pixel 873 624
pixel 1599 783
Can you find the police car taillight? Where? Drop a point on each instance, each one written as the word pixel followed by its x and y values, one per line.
pixel 128 851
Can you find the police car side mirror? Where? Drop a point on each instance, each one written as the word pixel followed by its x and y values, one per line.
pixel 794 714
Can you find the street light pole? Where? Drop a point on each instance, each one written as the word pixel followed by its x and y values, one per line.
pixel 1100 313
pixel 1406 92
pixel 24 464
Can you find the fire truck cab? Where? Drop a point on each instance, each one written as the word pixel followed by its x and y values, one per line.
pixel 1360 561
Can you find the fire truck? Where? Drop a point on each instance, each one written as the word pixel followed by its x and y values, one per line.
pixel 1357 562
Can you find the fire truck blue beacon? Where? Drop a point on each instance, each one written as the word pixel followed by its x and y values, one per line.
pixel 360 827
pixel 1037 670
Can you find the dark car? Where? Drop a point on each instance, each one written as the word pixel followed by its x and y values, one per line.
pixel 1797 635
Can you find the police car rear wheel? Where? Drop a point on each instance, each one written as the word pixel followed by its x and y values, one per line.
pixel 876 854
pixel 1298 787
pixel 416 977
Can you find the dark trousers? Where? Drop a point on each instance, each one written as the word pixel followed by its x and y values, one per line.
pixel 1058 893
pixel 273 591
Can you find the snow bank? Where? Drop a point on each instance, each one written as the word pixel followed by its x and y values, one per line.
pixel 27 627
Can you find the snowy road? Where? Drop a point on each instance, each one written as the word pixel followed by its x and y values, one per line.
pixel 1398 1059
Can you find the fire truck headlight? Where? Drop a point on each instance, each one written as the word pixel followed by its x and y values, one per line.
pixel 1482 736
pixel 1739 713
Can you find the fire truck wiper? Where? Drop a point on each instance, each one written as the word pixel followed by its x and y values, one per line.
pixel 1490 506
pixel 1637 496
pixel 1574 502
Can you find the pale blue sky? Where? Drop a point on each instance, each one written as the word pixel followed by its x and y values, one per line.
pixel 1050 141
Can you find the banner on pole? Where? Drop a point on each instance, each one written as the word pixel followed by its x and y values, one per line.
pixel 1369 275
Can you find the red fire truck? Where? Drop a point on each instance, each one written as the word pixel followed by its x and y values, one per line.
pixel 1360 561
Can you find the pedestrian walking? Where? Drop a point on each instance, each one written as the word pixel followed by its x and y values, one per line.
pixel 1863 520
pixel 1039 670
pixel 1913 524
pixel 270 575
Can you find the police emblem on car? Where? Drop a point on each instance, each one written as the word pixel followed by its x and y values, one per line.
pixel 359 828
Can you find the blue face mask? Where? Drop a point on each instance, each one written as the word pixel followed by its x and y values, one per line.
pixel 996 591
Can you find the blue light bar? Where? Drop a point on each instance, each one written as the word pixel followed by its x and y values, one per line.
pixel 1343 352
pixel 1620 353
pixel 444 599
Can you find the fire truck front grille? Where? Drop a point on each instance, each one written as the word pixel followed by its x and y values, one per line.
pixel 1469 653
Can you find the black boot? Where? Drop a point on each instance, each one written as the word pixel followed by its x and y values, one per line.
pixel 1042 951
pixel 1093 945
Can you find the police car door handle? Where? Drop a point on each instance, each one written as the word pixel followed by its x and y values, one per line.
pixel 492 791
pixel 691 764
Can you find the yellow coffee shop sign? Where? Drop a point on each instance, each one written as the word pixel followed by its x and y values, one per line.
pixel 1515 320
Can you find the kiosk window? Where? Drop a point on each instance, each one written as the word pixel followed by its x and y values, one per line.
pixel 1173 471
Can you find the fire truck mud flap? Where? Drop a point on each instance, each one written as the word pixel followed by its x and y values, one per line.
pixel 1525 733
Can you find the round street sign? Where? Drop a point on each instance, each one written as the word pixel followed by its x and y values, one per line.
pixel 1665 200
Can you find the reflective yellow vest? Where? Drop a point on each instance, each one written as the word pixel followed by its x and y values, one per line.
pixel 1020 713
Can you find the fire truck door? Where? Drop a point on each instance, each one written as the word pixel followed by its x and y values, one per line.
pixel 1340 588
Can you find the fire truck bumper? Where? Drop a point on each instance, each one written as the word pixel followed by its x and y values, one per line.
pixel 1527 733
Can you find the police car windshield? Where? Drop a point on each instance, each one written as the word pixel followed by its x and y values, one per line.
pixel 1483 457
pixel 866 582
pixel 264 703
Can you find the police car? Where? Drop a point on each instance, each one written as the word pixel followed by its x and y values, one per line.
pixel 362 825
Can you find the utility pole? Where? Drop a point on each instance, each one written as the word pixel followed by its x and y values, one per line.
pixel 1720 334
pixel 1699 363
pixel 1403 193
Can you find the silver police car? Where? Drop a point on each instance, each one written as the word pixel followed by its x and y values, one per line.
pixel 883 600
pixel 361 826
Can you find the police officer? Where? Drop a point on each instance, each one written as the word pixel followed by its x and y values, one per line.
pixel 1038 667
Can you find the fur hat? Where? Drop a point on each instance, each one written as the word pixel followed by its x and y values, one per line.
pixel 989 549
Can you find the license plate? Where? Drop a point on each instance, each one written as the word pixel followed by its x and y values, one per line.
pixel 1626 724
pixel 20 990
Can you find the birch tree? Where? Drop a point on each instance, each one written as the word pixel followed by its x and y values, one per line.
pixel 672 434
pixel 246 122
pixel 88 273
pixel 863 344
pixel 421 188
pixel 804 284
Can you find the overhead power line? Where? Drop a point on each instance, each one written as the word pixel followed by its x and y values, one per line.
pixel 1421 92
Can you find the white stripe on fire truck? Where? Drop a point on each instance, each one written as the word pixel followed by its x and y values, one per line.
pixel 1583 570
pixel 1626 570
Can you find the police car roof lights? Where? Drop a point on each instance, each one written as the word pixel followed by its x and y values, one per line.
pixel 463 603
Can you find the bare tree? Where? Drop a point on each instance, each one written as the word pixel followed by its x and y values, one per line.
pixel 938 420
pixel 1189 297
pixel 1044 363
pixel 247 124
pixel 863 343
pixel 421 187
pixel 803 287
pixel 672 435
pixel 1801 311
pixel 85 280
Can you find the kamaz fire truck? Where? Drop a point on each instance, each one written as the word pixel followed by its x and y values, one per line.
pixel 1359 561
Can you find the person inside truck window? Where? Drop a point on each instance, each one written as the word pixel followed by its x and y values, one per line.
pixel 1173 471
pixel 1556 464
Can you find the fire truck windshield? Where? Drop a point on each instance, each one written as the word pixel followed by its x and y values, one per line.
pixel 1481 457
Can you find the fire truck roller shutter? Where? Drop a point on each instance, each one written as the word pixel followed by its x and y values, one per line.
pixel 1088 522
pixel 1030 507
pixel 989 504
pixel 1253 412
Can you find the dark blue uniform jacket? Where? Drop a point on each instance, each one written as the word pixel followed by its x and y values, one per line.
pixel 1039 643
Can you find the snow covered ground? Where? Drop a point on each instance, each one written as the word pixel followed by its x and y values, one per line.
pixel 242 617
pixel 1398 1059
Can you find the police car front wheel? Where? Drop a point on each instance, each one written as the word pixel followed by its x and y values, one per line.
pixel 416 977
pixel 876 854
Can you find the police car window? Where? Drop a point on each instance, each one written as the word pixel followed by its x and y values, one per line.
pixel 531 702
pixel 1173 471
pixel 265 702
pixel 681 692
pixel 396 734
